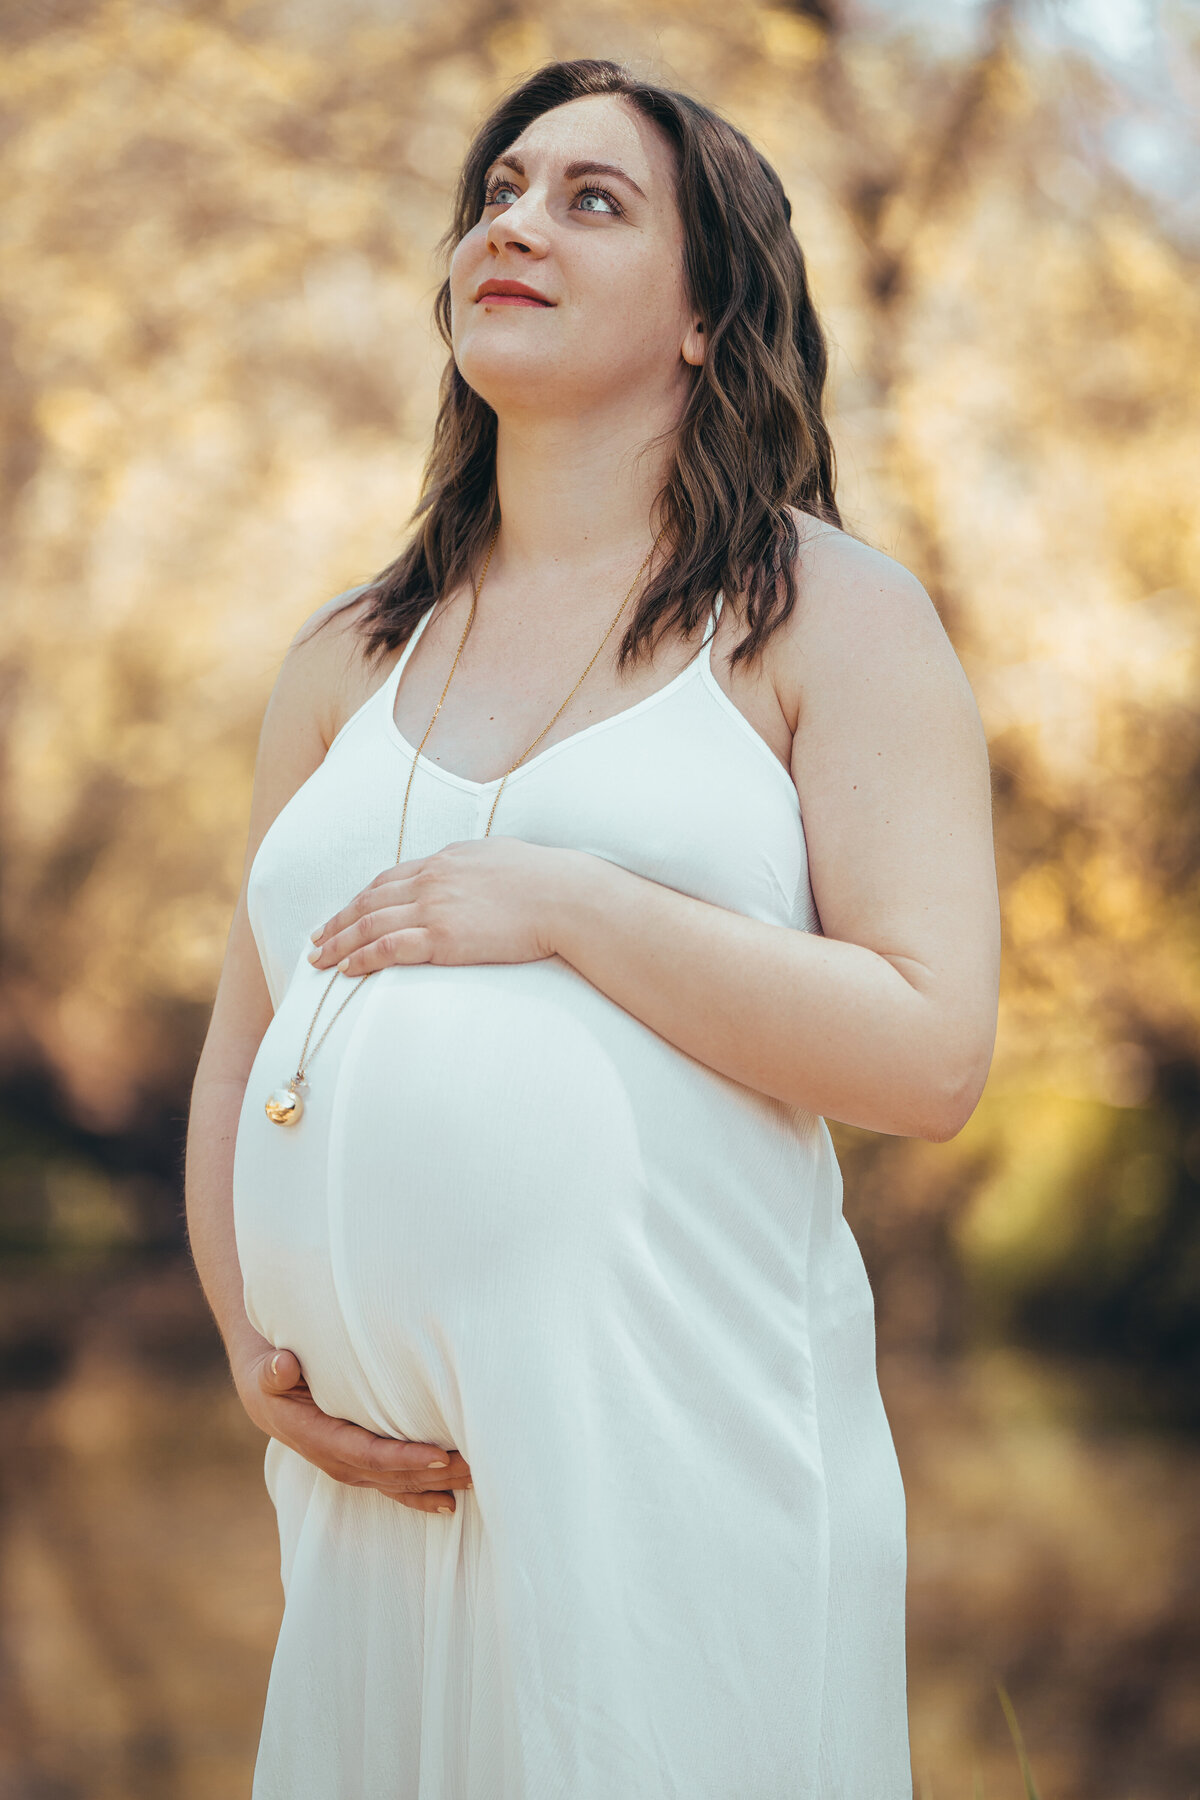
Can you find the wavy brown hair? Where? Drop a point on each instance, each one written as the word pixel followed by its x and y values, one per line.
pixel 752 440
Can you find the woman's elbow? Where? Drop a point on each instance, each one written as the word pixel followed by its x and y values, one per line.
pixel 949 1100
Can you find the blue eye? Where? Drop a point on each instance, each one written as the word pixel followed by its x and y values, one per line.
pixel 611 203
pixel 497 188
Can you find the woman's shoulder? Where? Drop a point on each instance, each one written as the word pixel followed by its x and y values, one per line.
pixel 856 606
pixel 839 575
pixel 326 660
pixel 303 712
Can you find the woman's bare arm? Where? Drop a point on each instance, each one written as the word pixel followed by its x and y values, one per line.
pixel 291 745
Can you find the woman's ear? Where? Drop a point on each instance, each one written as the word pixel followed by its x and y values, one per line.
pixel 692 348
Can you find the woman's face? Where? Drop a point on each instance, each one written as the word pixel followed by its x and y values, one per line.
pixel 580 211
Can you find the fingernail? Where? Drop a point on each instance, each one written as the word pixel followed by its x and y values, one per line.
pixel 448 1509
pixel 314 956
pixel 344 964
pixel 316 935
pixel 437 1465
pixel 275 1364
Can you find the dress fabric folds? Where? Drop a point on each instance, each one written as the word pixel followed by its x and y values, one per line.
pixel 516 1221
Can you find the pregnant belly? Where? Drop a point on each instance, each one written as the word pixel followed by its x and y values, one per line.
pixel 465 1185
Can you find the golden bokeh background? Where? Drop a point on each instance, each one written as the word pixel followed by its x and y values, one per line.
pixel 217 380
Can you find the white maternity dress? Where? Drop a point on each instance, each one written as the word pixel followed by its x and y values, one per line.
pixel 515 1221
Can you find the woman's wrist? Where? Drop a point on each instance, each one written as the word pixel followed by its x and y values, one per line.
pixel 573 895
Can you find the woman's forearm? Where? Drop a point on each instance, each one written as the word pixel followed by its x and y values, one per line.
pixel 208 1188
pixel 825 1025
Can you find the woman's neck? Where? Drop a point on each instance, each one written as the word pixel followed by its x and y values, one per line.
pixel 577 493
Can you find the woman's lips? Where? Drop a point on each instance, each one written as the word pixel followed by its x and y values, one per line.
pixel 510 300
pixel 507 292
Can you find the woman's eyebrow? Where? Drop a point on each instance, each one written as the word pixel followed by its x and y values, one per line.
pixel 575 169
pixel 572 172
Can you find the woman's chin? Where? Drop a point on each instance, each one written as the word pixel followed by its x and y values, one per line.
pixel 520 377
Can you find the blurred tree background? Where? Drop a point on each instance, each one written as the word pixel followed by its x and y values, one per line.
pixel 217 379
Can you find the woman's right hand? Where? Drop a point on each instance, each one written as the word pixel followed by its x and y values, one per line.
pixel 272 1388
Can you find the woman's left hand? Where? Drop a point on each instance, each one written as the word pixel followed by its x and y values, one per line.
pixel 487 900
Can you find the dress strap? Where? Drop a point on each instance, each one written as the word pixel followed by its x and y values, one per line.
pixel 393 680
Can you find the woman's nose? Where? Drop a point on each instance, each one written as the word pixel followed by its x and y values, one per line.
pixel 518 228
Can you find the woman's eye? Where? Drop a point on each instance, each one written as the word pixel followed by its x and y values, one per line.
pixel 498 192
pixel 607 203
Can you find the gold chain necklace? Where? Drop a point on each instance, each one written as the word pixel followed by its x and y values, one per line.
pixel 285 1104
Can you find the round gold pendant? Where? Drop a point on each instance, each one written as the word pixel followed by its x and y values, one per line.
pixel 284 1106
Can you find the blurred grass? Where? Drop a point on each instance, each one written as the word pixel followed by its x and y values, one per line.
pixel 1019 1742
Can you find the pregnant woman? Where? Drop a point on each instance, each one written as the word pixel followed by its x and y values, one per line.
pixel 664 836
